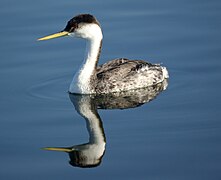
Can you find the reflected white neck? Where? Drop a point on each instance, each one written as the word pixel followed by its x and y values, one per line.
pixel 94 124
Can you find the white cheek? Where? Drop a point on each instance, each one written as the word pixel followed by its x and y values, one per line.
pixel 89 31
pixel 74 34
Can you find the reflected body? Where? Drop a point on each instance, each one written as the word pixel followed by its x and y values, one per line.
pixel 114 76
pixel 90 154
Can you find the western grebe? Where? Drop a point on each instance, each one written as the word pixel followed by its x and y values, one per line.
pixel 114 76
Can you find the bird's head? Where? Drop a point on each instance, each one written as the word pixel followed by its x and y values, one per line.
pixel 82 26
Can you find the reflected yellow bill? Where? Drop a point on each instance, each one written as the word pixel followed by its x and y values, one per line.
pixel 62 149
pixel 52 36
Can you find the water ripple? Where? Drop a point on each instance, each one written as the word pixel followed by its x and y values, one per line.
pixel 50 89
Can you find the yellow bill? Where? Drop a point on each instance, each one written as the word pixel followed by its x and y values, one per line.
pixel 62 149
pixel 52 36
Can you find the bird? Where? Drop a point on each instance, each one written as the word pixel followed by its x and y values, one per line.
pixel 116 75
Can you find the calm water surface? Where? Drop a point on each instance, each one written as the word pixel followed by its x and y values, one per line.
pixel 175 136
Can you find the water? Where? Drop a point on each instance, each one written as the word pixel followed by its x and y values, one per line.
pixel 175 136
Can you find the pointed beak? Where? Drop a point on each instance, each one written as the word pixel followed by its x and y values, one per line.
pixel 61 149
pixel 52 36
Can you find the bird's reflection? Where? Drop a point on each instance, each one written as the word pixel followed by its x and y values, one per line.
pixel 90 154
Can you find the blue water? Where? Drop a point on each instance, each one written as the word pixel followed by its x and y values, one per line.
pixel 175 136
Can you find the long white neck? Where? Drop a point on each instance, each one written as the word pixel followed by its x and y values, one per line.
pixel 81 82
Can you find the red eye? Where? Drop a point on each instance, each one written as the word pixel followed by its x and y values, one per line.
pixel 72 29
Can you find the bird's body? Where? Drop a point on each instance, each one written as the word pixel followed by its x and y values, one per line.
pixel 115 75
pixel 123 75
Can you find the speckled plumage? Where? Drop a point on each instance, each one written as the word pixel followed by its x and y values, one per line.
pixel 124 74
